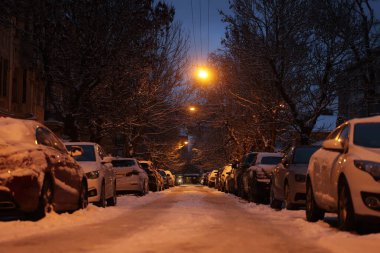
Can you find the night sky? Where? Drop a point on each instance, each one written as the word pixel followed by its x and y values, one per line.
pixel 212 29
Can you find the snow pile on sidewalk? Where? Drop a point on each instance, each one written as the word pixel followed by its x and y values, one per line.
pixel 10 230
pixel 321 232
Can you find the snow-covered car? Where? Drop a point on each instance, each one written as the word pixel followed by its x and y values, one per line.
pixel 226 171
pixel 256 180
pixel 171 178
pixel 156 182
pixel 344 175
pixel 37 174
pixel 99 172
pixel 212 178
pixel 164 178
pixel 130 177
pixel 288 184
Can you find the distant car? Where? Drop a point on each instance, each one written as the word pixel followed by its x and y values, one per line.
pixel 212 178
pixel 164 178
pixel 171 178
pixel 225 172
pixel 256 181
pixel 230 181
pixel 37 174
pixel 204 178
pixel 288 184
pixel 130 177
pixel 99 172
pixel 344 175
pixel 156 182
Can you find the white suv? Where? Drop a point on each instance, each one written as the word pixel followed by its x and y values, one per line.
pixel 344 175
pixel 99 172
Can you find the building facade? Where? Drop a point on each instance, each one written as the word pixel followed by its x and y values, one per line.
pixel 21 86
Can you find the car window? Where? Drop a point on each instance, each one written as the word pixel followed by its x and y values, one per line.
pixel 302 154
pixel 270 160
pixel 123 163
pixel 45 137
pixel 88 154
pixel 367 135
pixel 344 134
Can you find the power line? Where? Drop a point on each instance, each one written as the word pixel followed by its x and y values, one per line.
pixel 200 25
pixel 208 27
pixel 192 20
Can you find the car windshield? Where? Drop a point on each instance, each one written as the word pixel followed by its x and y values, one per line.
pixel 367 135
pixel 123 163
pixel 270 160
pixel 88 154
pixel 302 154
pixel 162 173
pixel 145 166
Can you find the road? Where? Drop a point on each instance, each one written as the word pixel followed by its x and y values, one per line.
pixel 182 219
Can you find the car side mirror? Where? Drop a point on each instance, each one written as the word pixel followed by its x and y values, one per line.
pixel 76 151
pixel 334 145
pixel 107 159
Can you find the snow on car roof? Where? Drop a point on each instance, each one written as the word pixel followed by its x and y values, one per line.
pixel 15 131
pixel 80 143
pixel 373 119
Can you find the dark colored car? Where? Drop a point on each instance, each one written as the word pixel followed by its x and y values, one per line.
pixel 37 174
pixel 165 178
pixel 246 161
pixel 155 179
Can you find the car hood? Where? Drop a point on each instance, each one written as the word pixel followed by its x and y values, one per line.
pixel 362 153
pixel 89 166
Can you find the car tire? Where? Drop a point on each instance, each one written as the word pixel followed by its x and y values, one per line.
pixel 45 203
pixel 255 194
pixel 287 201
pixel 273 202
pixel 346 214
pixel 313 212
pixel 112 201
pixel 83 196
pixel 143 189
pixel 102 201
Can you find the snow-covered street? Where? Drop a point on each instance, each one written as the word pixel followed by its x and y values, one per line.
pixel 182 219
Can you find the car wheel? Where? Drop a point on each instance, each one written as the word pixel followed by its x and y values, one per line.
pixel 287 200
pixel 273 202
pixel 255 192
pixel 83 197
pixel 346 215
pixel 143 190
pixel 45 203
pixel 113 200
pixel 102 201
pixel 313 212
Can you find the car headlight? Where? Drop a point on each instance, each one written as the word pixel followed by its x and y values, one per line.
pixel 92 174
pixel 372 168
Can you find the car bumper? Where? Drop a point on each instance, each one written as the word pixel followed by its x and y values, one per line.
pixel 19 194
pixel 126 184
pixel 298 192
pixel 360 191
pixel 94 189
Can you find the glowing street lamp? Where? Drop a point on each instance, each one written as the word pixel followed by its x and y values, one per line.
pixel 203 74
pixel 192 108
pixel 186 142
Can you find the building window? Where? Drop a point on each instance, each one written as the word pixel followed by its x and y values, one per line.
pixel 4 66
pixel 24 85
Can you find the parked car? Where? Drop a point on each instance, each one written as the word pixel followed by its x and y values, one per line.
pixel 171 178
pixel 164 178
pixel 230 181
pixel 223 176
pixel 246 161
pixel 344 175
pixel 99 172
pixel 288 184
pixel 130 177
pixel 37 174
pixel 156 183
pixel 204 178
pixel 212 178
pixel 256 179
